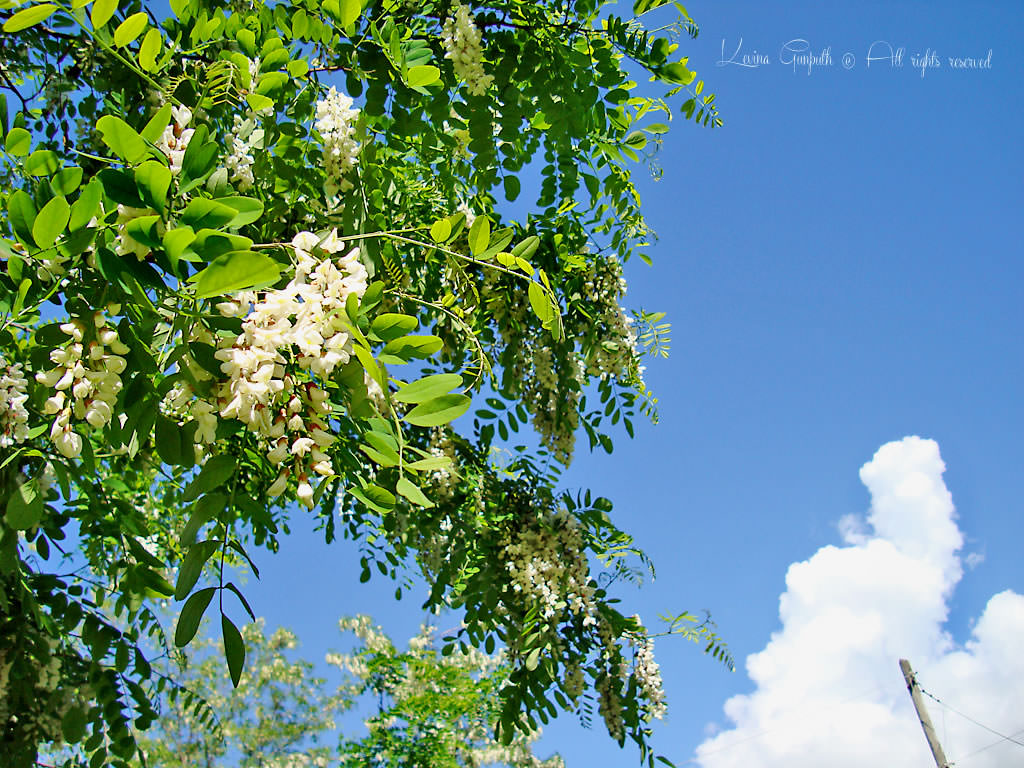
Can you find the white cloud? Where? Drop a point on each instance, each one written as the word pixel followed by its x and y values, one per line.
pixel 828 687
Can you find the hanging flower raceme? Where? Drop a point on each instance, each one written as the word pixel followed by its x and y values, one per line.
pixel 461 39
pixel 615 355
pixel 648 674
pixel 245 137
pixel 298 326
pixel 87 380
pixel 13 396
pixel 335 122
pixel 547 564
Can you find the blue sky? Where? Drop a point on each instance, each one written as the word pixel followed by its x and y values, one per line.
pixel 842 266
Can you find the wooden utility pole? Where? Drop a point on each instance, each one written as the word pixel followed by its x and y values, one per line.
pixel 922 715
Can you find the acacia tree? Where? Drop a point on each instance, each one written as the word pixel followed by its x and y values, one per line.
pixel 425 710
pixel 255 267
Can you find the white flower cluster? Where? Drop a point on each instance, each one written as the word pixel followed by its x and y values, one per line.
pixel 648 676
pixel 466 211
pixel 244 137
pixel 335 122
pixel 442 479
pixel 373 636
pixel 461 39
pixel 554 403
pixel 303 318
pixel 87 380
pixel 615 353
pixel 13 396
pixel 181 402
pixel 176 137
pixel 547 563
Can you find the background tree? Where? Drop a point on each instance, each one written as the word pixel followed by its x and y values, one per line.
pixel 425 709
pixel 217 265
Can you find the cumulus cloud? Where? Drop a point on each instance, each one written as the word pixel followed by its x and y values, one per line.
pixel 828 691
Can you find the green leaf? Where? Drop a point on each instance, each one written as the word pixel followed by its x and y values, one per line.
pixel 21 211
pixel 259 102
pixel 141 554
pixel 390 325
pixel 247 40
pixel 192 567
pixel 157 124
pixel 25 506
pixel 120 187
pixel 149 50
pixel 67 180
pixel 29 17
pixel 540 304
pixel 636 140
pixel 144 230
pixel 236 271
pixel 201 212
pixel 199 160
pixel 51 221
pixel 86 206
pixel 533 659
pixel 412 492
pixel 676 72
pixel 643 6
pixel 380 451
pixel 438 411
pixel 479 235
pixel 168 440
pixel 238 593
pixel 153 179
pixel 247 209
pixel 270 82
pixel 130 28
pixel 428 388
pixel 191 615
pixel 102 10
pixel 512 187
pixel 176 242
pixel 440 230
pixel 406 348
pixel 423 75
pixel 72 725
pixel 431 463
pixel 205 510
pixel 349 11
pixel 375 497
pixel 365 358
pixel 122 139
pixel 233 544
pixel 19 142
pixel 211 243
pixel 216 472
pixel 42 162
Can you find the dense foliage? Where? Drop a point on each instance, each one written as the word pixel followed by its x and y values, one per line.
pixel 255 268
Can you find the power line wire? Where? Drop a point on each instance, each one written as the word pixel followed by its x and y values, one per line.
pixel 968 717
pixel 987 746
